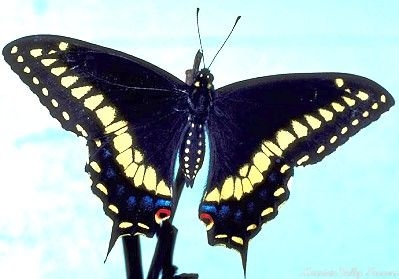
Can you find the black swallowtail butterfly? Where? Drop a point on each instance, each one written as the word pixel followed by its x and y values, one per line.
pixel 138 120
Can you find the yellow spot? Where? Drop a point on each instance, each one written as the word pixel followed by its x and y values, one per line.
pixel 237 240
pixel 106 115
pixel 246 185
pixel 131 170
pixel 122 142
pixel 227 188
pixel 237 188
pixel 138 156
pixel 94 165
pixel 344 130
pixel 218 236
pixel 333 139
pixel 150 179
pixel 313 121
pixel 284 139
pixel 273 148
pixel 54 103
pixel 362 95
pixel 93 102
pixel 303 160
pixel 213 196
pixel 355 122
pixel 348 90
pixel 102 188
pixel 125 158
pixel 339 82
pixel 252 227
pixel 27 70
pixel 162 189
pixel 48 61
pixel 320 149
pixel 68 81
pixel 267 151
pixel 125 225
pixel 139 176
pixel 79 92
pixel 254 175
pixel 284 168
pixel 20 59
pixel 45 91
pixel 244 170
pixel 36 52
pixel 383 99
pixel 115 126
pixel 35 80
pixel 326 114
pixel 144 226
pixel 279 192
pixel 349 101
pixel 267 211
pixel 52 51
pixel 65 115
pixel 14 49
pixel 97 142
pixel 337 107
pixel 366 114
pixel 261 161
pixel 197 84
pixel 113 208
pixel 81 130
pixel 58 71
pixel 63 46
pixel 299 129
pixel 374 106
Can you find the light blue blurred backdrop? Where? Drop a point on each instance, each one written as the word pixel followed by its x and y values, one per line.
pixel 342 219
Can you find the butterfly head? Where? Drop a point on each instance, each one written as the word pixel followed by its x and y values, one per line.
pixel 204 79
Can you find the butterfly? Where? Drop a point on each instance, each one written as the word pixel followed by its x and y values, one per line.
pixel 140 121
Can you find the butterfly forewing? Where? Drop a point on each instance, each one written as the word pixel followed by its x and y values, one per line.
pixel 274 124
pixel 126 108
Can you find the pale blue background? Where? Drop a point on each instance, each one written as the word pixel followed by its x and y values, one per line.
pixel 343 214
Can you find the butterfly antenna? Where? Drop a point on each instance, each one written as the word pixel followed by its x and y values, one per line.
pixel 199 36
pixel 235 23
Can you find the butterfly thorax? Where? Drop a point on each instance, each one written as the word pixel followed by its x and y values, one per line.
pixel 193 147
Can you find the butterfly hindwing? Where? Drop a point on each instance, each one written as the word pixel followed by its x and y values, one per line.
pixel 260 129
pixel 126 108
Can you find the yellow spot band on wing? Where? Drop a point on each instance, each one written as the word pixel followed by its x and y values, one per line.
pixel 227 188
pixel 362 95
pixel 68 81
pixel 299 129
pixel 48 61
pixel 93 102
pixel 58 71
pixel 163 189
pixel 79 92
pixel 36 52
pixel 326 114
pixel 102 188
pixel 144 226
pixel 94 165
pixel 150 179
pixel 284 139
pixel 106 115
pixel 125 158
pixel 313 121
pixel 261 161
pixel 213 196
pixel 63 46
pixel 279 192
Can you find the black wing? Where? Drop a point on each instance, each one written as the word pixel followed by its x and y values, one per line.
pixel 260 129
pixel 130 111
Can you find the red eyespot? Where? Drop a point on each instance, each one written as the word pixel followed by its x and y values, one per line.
pixel 208 220
pixel 162 214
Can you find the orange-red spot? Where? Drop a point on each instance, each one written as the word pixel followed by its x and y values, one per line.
pixel 162 214
pixel 207 219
